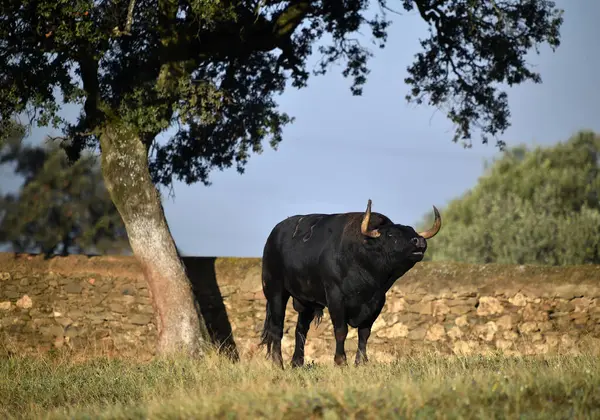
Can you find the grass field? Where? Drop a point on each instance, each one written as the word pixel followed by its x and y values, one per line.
pixel 426 387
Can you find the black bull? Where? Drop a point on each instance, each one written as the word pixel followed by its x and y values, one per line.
pixel 345 262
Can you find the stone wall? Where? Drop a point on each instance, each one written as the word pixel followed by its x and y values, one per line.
pixel 102 305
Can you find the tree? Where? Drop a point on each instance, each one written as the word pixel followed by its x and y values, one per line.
pixel 532 206
pixel 11 132
pixel 60 208
pixel 211 69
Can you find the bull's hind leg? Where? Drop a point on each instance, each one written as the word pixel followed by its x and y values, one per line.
pixel 273 329
pixel 277 298
pixel 306 314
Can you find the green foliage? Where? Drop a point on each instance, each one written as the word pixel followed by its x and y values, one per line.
pixel 60 208
pixel 533 206
pixel 212 68
pixel 11 132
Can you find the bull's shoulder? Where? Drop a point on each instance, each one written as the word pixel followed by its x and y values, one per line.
pixel 301 221
pixel 304 218
pixel 347 223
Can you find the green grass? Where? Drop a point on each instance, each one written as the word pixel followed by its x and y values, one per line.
pixel 426 387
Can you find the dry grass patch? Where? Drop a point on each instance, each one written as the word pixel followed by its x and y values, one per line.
pixel 426 387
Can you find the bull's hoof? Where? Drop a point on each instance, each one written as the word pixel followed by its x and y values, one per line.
pixel 340 360
pixel 277 361
pixel 361 360
pixel 297 363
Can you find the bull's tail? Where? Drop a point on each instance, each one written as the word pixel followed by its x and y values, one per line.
pixel 318 316
pixel 266 336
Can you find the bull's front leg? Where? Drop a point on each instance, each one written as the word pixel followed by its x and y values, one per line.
pixel 371 311
pixel 340 326
pixel 361 352
pixel 341 332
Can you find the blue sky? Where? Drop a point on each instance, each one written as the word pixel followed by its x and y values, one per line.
pixel 343 150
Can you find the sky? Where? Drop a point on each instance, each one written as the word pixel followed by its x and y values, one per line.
pixel 343 149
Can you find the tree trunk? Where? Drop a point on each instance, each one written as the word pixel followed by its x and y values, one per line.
pixel 181 328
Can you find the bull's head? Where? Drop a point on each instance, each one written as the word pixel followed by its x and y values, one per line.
pixel 405 239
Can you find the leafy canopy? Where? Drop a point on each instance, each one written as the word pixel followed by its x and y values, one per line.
pixel 533 206
pixel 60 208
pixel 212 68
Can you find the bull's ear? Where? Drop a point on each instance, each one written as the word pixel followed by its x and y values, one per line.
pixel 364 226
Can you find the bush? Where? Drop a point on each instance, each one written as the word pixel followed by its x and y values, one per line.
pixel 537 206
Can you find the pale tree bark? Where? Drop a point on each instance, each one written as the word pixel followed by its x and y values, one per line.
pixel 181 328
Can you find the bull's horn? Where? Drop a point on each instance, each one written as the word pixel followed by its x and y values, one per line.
pixel 437 224
pixel 364 227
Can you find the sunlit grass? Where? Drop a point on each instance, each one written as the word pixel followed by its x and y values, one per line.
pixel 427 387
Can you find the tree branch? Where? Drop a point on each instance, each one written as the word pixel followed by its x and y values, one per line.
pixel 429 12
pixel 88 66
pixel 286 22
pixel 128 22
pixel 250 33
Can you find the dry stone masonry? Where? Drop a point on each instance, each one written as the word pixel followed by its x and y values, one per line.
pixel 102 304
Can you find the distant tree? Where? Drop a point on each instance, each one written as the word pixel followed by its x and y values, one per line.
pixel 61 208
pixel 211 69
pixel 533 206
pixel 11 132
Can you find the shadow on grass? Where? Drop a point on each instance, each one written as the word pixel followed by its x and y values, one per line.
pixel 202 274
